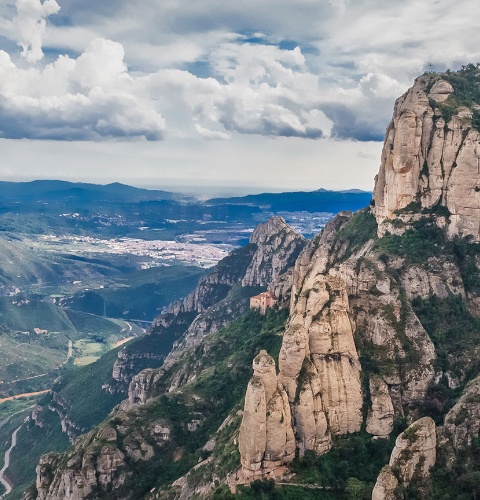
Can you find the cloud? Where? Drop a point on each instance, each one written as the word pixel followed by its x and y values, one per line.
pixel 305 69
pixel 206 133
pixel 30 25
pixel 88 98
pixel 257 90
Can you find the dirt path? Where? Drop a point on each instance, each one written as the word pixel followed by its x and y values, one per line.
pixel 3 478
pixel 24 395
pixel 123 341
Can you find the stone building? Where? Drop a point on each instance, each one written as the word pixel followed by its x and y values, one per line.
pixel 262 301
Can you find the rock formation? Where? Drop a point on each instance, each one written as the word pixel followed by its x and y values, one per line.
pixel 413 457
pixel 462 422
pixel 278 246
pixel 319 370
pixel 320 335
pixel 85 475
pixel 429 160
pixel 353 298
pixel 266 439
pixel 272 251
pixel 386 485
pixel 380 415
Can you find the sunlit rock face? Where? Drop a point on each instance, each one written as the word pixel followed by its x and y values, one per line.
pixel 266 439
pixel 430 163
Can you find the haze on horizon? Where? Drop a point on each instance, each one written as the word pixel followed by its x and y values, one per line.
pixel 254 95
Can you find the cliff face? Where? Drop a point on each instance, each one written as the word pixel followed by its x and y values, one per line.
pixel 220 297
pixel 430 159
pixel 462 422
pixel 342 297
pixel 277 246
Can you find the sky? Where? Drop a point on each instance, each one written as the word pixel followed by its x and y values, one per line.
pixel 258 95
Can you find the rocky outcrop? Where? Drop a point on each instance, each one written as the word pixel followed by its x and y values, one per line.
pixel 412 458
pixel 141 388
pixel 266 439
pixel 381 414
pixel 93 473
pixel 386 485
pixel 435 277
pixel 59 405
pixel 415 451
pixel 462 422
pixel 278 246
pixel 220 297
pixel 430 163
pixel 320 335
pixel 272 250
pixel 124 368
pixel 281 287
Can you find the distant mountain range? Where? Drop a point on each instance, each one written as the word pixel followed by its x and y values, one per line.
pixel 117 210
pixel 45 190
pixel 320 200
pixel 56 190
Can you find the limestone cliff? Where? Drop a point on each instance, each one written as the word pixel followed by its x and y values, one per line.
pixel 381 414
pixel 382 332
pixel 431 159
pixel 220 297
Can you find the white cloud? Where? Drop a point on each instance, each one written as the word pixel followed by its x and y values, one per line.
pixel 258 89
pixel 30 25
pixel 206 133
pixel 87 98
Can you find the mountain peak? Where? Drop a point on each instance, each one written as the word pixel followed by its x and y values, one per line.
pixel 431 157
pixel 271 227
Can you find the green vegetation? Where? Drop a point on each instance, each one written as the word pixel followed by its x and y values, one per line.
pixel 361 228
pixel 466 85
pixel 15 406
pixel 224 361
pixel 452 329
pixel 139 294
pixel 336 467
pixel 89 323
pixel 35 340
pixel 348 471
pixel 21 314
pixel 32 442
pixel 417 244
pixel 269 490
pixel 81 389
pixel 460 479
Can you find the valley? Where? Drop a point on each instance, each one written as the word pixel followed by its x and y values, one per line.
pixel 85 266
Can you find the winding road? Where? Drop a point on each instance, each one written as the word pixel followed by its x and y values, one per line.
pixel 3 478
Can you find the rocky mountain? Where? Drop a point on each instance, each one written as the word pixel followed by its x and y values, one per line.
pixel 431 157
pixel 84 397
pixel 376 393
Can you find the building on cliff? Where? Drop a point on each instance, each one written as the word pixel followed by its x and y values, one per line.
pixel 262 301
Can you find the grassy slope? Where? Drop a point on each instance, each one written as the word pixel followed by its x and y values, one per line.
pixel 32 442
pixel 141 294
